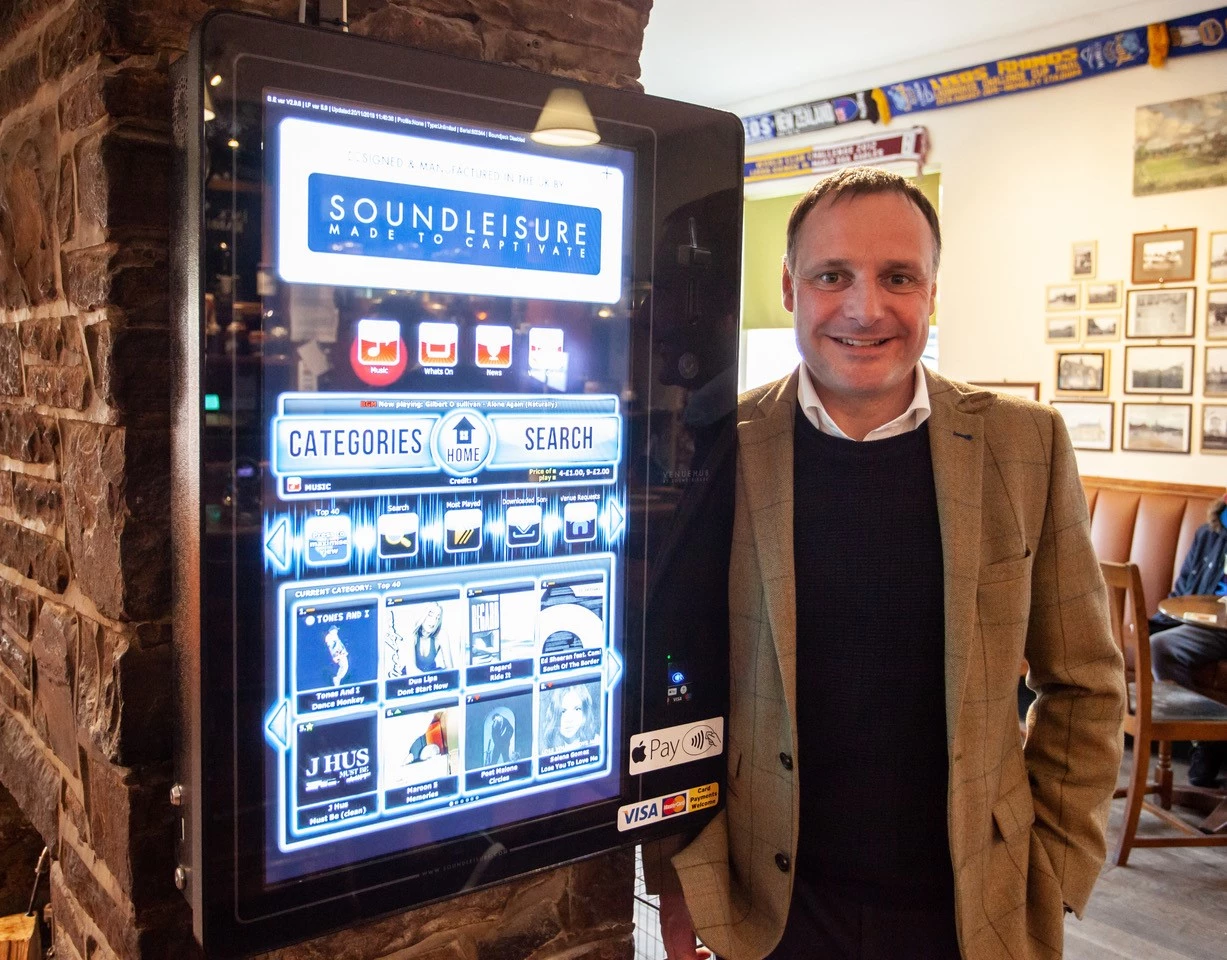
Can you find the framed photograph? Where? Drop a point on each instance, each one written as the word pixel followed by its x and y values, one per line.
pixel 1216 314
pixel 1215 382
pixel 1171 151
pixel 1061 329
pixel 1083 372
pixel 1213 428
pixel 1160 313
pixel 1164 256
pixel 1156 427
pixel 1063 296
pixel 1159 369
pixel 1218 256
pixel 1083 260
pixel 1028 391
pixel 1101 326
pixel 1103 296
pixel 1089 422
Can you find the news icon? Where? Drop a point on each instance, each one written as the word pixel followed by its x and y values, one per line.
pixel 493 346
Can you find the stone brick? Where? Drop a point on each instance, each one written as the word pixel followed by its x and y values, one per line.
pixel 69 928
pixel 147 26
pixel 446 945
pixel 519 934
pixel 33 555
pixel 604 24
pixel 28 436
pixel 38 499
pixel 80 32
pixel 55 656
pixel 428 31
pixel 117 509
pixel 73 811
pixel 15 658
pixel 51 341
pixel 6 489
pixel 66 206
pixel 15 17
pixel 616 944
pixel 123 185
pixel 18 608
pixel 138 97
pixel 124 693
pixel 115 919
pixel 131 367
pixel 131 276
pixel 601 890
pixel 30 169
pixel 18 81
pixel 63 387
pixel 11 384
pixel 30 777
pixel 551 56
pixel 20 845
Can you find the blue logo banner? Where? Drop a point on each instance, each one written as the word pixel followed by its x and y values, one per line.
pixel 375 218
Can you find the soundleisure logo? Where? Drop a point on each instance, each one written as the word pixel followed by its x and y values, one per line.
pixel 376 218
pixel 657 749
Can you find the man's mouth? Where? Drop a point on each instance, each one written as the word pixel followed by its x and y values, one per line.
pixel 848 341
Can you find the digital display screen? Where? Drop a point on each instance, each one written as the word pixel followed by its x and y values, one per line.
pixel 443 516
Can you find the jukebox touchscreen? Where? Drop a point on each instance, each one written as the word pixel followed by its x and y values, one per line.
pixel 454 452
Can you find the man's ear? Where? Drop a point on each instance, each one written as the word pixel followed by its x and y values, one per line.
pixel 786 291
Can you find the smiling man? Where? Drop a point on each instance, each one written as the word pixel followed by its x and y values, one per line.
pixel 901 543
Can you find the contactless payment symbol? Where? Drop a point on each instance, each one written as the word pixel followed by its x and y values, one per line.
pixel 579 522
pixel 462 530
pixel 493 346
pixel 328 540
pixel 398 535
pixel 437 344
pixel 545 349
pixel 462 442
pixel 523 526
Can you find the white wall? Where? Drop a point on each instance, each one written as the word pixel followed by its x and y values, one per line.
pixel 1023 177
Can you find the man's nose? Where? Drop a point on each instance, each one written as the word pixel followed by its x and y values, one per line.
pixel 866 302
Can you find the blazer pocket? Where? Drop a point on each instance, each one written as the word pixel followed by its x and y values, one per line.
pixel 1014 811
pixel 1014 568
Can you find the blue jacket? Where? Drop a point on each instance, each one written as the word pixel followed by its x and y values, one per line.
pixel 1202 567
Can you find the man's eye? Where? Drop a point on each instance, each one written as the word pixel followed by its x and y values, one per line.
pixel 828 277
pixel 898 279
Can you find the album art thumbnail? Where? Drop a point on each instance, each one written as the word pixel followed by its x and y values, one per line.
pixel 498 730
pixel 419 634
pixel 570 717
pixel 572 615
pixel 335 758
pixel 420 746
pixel 335 646
pixel 501 623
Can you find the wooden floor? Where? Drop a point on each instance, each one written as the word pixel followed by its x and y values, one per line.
pixel 1167 904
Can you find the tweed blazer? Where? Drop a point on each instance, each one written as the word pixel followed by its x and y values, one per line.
pixel 1026 824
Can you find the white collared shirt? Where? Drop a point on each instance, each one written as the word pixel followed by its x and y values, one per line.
pixel 911 418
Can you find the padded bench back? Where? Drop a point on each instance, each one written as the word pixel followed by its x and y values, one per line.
pixel 1149 524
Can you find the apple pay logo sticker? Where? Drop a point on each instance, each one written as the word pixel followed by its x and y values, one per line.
pixel 657 749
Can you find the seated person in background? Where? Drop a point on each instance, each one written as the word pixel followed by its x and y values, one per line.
pixel 1178 649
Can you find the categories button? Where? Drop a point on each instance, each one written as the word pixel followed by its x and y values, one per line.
pixel 398 535
pixel 523 526
pixel 579 522
pixel 462 530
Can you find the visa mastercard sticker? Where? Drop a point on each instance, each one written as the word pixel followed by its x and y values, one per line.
pixel 636 815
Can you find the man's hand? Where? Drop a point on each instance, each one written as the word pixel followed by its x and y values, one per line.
pixel 677 929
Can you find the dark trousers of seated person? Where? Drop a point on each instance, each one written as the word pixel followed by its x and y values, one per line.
pixel 1176 653
pixel 826 922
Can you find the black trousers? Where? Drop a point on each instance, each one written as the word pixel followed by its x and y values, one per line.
pixel 827 922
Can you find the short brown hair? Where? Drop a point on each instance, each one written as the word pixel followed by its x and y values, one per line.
pixel 860 182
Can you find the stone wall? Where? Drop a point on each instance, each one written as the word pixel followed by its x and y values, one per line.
pixel 85 640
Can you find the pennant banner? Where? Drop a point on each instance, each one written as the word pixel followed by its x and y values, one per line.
pixel 808 117
pixel 1197 33
pixel 910 144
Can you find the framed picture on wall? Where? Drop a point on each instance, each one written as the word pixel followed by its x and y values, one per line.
pixel 1153 314
pixel 1089 422
pixel 1062 296
pixel 1103 296
pixel 1218 256
pixel 1028 391
pixel 1215 381
pixel 1216 314
pixel 1082 373
pixel 1156 427
pixel 1061 329
pixel 1083 260
pixel 1214 428
pixel 1164 256
pixel 1101 326
pixel 1159 369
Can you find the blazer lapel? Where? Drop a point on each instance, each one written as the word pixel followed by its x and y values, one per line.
pixel 765 461
pixel 956 439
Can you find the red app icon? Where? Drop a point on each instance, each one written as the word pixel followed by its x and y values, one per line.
pixel 437 344
pixel 493 346
pixel 378 342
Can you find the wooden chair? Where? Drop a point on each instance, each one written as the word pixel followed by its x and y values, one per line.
pixel 1157 711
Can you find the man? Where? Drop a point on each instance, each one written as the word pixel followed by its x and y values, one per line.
pixel 901 543
pixel 1177 650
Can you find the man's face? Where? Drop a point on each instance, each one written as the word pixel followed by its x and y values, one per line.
pixel 861 291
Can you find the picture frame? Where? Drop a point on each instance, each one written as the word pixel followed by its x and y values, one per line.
pixel 1084 258
pixel 1026 390
pixel 1214 372
pixel 1214 428
pixel 1156 427
pixel 1103 295
pixel 1159 369
pixel 1062 296
pixel 1101 327
pixel 1062 328
pixel 1090 423
pixel 1082 373
pixel 1216 314
pixel 1160 314
pixel 1164 256
pixel 1218 257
